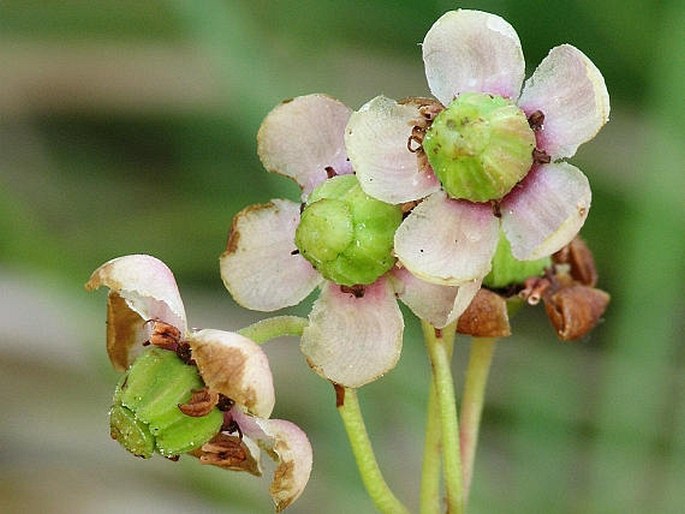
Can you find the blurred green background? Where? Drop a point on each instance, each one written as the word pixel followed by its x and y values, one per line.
pixel 129 127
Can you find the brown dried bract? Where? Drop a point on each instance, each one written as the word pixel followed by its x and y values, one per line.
pixel 486 316
pixel 228 452
pixel 201 403
pixel 580 260
pixel 575 310
pixel 164 335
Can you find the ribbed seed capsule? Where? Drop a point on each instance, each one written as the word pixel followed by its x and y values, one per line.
pixel 145 416
pixel 347 235
pixel 480 147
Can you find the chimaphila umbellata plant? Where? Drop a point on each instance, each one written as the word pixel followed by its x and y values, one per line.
pixel 460 206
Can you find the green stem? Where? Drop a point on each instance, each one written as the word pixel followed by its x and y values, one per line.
pixel 480 359
pixel 381 495
pixel 270 328
pixel 439 352
pixel 432 450
pixel 430 471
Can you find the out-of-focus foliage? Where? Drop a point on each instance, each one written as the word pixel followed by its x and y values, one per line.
pixel 130 127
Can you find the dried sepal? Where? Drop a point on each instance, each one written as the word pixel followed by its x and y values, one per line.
pixel 575 310
pixel 486 316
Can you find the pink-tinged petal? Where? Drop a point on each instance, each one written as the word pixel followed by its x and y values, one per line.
pixel 438 305
pixel 234 366
pixel 376 138
pixel 546 211
pixel 570 91
pixel 447 242
pixel 259 266
pixel 142 288
pixel 302 137
pixel 472 51
pixel 290 448
pixel 353 340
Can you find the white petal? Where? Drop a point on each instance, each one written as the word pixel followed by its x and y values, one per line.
pixel 142 288
pixel 472 51
pixel 291 449
pixel 303 136
pixel 447 242
pixel 376 139
pixel 570 91
pixel 235 366
pixel 439 305
pixel 545 212
pixel 258 267
pixel 147 285
pixel 353 341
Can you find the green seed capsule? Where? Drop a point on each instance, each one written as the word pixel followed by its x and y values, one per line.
pixel 347 235
pixel 480 147
pixel 507 270
pixel 145 416
pixel 131 433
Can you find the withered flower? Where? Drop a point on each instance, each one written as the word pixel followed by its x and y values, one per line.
pixel 206 392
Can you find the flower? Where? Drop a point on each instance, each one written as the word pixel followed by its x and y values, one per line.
pixel 144 306
pixel 483 158
pixel 355 331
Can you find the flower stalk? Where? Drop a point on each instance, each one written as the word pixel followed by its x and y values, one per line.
pixel 480 359
pixel 271 328
pixel 378 490
pixel 439 351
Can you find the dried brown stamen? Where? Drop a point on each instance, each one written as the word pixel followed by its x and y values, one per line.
pixel 486 316
pixel 163 335
pixel 201 403
pixel 225 403
pixel 330 172
pixel 575 310
pixel 541 157
pixel 536 120
pixel 533 289
pixel 356 290
pixel 185 353
pixel 230 452
pixel 579 258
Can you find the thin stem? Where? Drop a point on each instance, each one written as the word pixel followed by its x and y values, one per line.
pixel 430 471
pixel 439 353
pixel 270 328
pixel 381 495
pixel 480 359
pixel 432 450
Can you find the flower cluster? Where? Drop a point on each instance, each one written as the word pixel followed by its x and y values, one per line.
pixel 424 200
pixel 475 171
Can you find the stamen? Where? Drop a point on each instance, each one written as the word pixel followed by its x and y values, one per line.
pixel 536 120
pixel 356 290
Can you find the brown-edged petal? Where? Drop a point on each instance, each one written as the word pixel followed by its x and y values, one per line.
pixel 142 288
pixel 236 367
